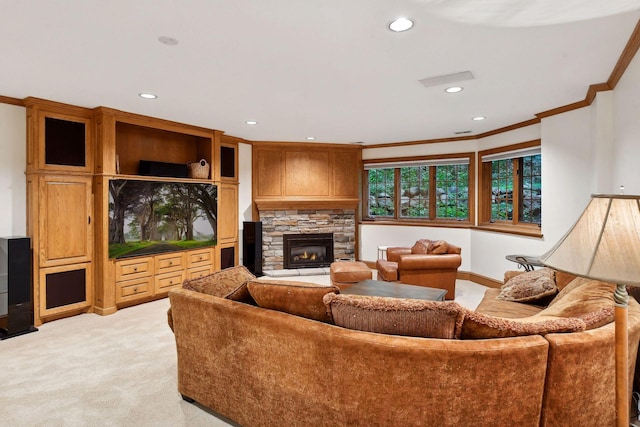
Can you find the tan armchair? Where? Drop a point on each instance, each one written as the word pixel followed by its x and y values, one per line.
pixel 433 270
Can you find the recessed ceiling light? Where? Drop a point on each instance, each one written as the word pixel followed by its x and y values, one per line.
pixel 478 118
pixel 251 122
pixel 401 24
pixel 311 138
pixel 147 95
pixel 169 41
pixel 453 89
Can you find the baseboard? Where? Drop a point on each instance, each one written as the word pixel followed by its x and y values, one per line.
pixel 484 280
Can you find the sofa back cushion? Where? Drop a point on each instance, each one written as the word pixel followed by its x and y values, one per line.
pixel 409 317
pixel 299 298
pixel 432 247
pixel 481 326
pixel 223 283
pixel 589 299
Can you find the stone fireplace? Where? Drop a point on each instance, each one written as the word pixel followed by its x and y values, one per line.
pixel 340 223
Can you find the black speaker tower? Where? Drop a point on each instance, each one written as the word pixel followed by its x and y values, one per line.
pixel 15 287
pixel 252 246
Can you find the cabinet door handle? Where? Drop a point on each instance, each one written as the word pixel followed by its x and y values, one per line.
pixel 89 220
pixel 135 268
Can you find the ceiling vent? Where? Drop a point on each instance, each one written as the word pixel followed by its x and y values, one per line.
pixel 447 79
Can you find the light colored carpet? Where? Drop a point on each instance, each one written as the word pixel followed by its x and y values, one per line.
pixel 117 370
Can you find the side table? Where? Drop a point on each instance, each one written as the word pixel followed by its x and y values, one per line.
pixel 525 261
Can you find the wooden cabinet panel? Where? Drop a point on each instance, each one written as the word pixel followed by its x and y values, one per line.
pixel 169 262
pixel 134 268
pixel 227 213
pixel 268 170
pixel 63 289
pixel 307 173
pixel 196 272
pixel 59 138
pixel 199 258
pixel 65 216
pixel 306 176
pixel 131 290
pixel 165 282
pixel 345 181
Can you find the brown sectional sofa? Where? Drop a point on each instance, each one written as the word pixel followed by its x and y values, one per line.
pixel 266 367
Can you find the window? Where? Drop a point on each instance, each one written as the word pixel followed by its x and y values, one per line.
pixel 428 189
pixel 511 186
pixel 382 192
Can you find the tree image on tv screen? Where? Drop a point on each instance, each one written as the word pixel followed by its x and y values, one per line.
pixel 148 217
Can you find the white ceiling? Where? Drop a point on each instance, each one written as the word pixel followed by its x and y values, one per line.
pixel 323 68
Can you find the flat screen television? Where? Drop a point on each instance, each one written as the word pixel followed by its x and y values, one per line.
pixel 148 217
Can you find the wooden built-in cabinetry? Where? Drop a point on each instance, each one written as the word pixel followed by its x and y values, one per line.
pixel 305 176
pixel 72 154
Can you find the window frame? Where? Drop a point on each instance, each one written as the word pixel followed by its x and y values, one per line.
pixel 432 220
pixel 514 225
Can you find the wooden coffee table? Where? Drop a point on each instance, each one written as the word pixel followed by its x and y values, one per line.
pixel 381 288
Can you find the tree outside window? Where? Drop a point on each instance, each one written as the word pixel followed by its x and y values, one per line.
pixel 427 191
pixel 452 186
pixel 414 191
pixel 511 187
pixel 382 192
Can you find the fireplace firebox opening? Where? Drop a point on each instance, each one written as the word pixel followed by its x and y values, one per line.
pixel 307 250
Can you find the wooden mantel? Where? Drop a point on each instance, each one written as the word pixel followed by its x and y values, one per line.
pixel 269 204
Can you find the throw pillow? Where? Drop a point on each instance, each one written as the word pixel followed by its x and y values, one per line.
pixel 409 317
pixel 221 283
pixel 438 247
pixel 529 286
pixel 299 298
pixel 421 246
pixel 481 326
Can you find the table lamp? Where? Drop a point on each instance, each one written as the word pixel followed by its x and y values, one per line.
pixel 604 244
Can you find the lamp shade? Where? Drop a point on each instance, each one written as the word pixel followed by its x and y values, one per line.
pixel 604 244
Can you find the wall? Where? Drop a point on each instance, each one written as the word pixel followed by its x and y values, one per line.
pixel 244 191
pixel 13 184
pixel 626 109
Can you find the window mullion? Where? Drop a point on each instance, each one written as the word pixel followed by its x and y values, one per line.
pixel 397 201
pixel 517 182
pixel 432 192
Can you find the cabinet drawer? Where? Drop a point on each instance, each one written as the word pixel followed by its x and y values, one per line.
pixel 133 289
pixel 194 273
pixel 168 281
pixel 134 269
pixel 199 258
pixel 169 262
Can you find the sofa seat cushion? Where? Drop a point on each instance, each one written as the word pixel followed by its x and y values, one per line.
pixel 408 317
pixel 493 306
pixel 530 286
pixel 223 283
pixel 300 298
